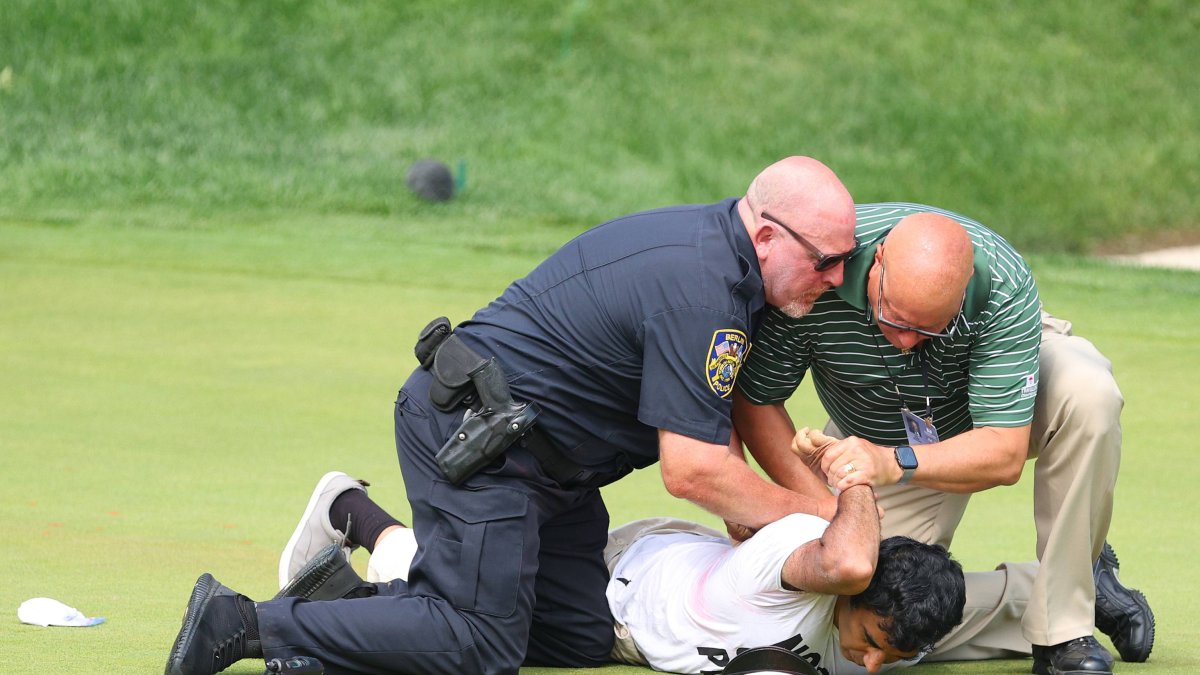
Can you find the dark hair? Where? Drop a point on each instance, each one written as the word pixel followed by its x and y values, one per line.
pixel 918 590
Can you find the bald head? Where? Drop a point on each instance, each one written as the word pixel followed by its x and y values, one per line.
pixel 929 260
pixel 801 184
pixel 811 218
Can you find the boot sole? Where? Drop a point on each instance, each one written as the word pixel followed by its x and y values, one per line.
pixel 328 576
pixel 1108 559
pixel 1050 670
pixel 1141 652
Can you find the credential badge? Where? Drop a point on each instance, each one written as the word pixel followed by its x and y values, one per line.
pixel 725 357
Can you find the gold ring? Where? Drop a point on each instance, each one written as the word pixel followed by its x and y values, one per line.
pixel 848 469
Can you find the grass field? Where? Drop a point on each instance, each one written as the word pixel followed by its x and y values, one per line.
pixel 171 395
pixel 211 275
pixel 1070 123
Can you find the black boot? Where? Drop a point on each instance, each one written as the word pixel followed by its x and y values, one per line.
pixel 328 576
pixel 1122 613
pixel 219 628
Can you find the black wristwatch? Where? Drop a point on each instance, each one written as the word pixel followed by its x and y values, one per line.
pixel 907 459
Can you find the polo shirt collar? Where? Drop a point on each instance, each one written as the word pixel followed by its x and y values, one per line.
pixel 854 275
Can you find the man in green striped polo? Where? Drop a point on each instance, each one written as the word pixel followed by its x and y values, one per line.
pixel 942 376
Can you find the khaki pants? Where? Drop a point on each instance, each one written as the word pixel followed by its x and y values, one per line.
pixel 1076 447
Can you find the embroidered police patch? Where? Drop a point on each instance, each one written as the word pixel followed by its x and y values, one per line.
pixel 725 356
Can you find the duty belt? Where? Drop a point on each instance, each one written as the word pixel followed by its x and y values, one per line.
pixel 493 421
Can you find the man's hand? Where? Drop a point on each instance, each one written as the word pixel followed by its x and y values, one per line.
pixel 810 445
pixel 827 456
pixel 855 461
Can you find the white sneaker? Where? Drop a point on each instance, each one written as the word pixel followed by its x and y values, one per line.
pixel 315 532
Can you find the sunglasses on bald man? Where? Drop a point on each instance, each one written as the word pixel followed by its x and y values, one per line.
pixel 824 260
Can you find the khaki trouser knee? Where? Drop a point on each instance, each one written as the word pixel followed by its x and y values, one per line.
pixel 1076 443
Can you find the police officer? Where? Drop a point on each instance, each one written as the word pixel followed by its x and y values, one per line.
pixel 618 351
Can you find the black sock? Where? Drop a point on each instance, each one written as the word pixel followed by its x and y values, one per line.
pixel 367 519
pixel 250 623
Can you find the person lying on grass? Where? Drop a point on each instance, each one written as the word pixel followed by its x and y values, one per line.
pixel 685 598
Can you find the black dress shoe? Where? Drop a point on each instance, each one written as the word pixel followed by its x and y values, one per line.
pixel 1081 656
pixel 1122 613
pixel 219 628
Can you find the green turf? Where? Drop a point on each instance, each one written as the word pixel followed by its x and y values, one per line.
pixel 171 395
pixel 1064 124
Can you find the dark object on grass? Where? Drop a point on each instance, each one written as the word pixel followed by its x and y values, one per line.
pixel 431 180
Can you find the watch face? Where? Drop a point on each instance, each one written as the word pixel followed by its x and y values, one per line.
pixel 905 457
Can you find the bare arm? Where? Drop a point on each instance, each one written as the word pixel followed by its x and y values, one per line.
pixel 768 431
pixel 843 560
pixel 969 462
pixel 722 483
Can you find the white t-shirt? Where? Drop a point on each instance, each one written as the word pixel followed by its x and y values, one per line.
pixel 691 602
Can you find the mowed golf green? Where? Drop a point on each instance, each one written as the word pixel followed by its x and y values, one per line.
pixel 171 395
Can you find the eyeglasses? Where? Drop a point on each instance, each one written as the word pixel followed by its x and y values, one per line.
pixel 824 260
pixel 948 331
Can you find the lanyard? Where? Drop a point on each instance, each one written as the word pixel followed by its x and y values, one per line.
pixel 896 386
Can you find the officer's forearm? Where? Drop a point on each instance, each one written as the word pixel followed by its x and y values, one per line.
pixel 723 484
pixel 767 431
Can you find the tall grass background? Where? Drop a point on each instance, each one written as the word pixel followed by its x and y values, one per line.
pixel 1067 125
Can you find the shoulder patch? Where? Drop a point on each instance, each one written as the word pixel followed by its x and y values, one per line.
pixel 725 358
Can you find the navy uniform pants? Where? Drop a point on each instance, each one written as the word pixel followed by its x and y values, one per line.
pixel 510 571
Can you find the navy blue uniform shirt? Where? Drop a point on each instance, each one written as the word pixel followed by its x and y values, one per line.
pixel 638 324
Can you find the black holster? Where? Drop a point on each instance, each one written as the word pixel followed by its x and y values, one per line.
pixel 493 421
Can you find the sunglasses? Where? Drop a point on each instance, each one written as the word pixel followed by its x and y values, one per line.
pixel 824 260
pixel 948 331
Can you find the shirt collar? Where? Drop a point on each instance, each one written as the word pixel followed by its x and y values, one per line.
pixel 750 288
pixel 854 275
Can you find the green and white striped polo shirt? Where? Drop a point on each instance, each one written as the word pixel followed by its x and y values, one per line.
pixel 985 374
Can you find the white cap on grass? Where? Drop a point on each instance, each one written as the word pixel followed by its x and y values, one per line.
pixel 50 612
